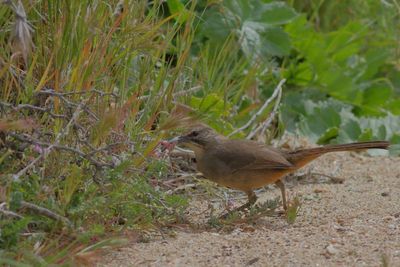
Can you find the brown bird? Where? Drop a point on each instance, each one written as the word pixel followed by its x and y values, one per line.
pixel 247 165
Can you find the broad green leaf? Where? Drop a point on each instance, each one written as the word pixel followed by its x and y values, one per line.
pixel 277 13
pixel 318 121
pixel 253 23
pixel 260 40
pixel 211 103
pixel 244 10
pixel 250 39
pixel 374 59
pixel 376 96
pixel 299 74
pixel 275 41
pixel 366 135
pixel 394 106
pixel 349 131
pixel 345 42
pixel 216 27
pixel 329 134
pixel 177 8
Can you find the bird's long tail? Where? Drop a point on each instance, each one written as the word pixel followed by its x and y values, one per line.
pixel 302 156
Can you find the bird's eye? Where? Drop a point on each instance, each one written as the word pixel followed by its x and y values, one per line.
pixel 194 134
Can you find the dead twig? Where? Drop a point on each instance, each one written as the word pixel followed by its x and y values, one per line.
pixel 335 180
pixel 47 151
pixel 263 127
pixel 261 110
pixel 45 212
pixel 9 213
pixel 32 107
pixel 69 103
pixel 87 156
pixel 55 93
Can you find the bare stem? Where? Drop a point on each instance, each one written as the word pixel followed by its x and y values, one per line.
pixel 263 127
pixel 45 212
pixel 275 94
pixel 47 151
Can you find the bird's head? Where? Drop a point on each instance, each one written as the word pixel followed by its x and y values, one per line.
pixel 197 138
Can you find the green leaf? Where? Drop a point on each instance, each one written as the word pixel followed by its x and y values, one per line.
pixel 299 73
pixel 329 134
pixel 349 131
pixel 260 40
pixel 275 41
pixel 216 28
pixel 366 135
pixel 395 138
pixel 176 7
pixel 376 96
pixel 253 23
pixel 277 13
pixel 394 106
pixel 318 120
pixel 374 59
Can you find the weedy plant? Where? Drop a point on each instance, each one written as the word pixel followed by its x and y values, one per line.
pixel 87 96
pixel 89 88
pixel 85 85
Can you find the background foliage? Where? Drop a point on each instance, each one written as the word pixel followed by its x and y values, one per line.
pixel 104 78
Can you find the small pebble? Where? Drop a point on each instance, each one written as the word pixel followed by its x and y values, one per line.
pixel 385 194
pixel 332 250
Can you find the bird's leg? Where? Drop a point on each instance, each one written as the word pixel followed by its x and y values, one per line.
pixel 252 198
pixel 281 186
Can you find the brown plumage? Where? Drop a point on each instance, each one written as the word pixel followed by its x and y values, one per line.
pixel 247 165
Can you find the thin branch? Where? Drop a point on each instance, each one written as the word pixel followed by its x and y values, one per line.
pixel 68 102
pixel 46 152
pixel 55 93
pixel 87 156
pixel 334 179
pixel 45 212
pixel 263 127
pixel 261 110
pixel 190 90
pixel 32 107
pixel 9 213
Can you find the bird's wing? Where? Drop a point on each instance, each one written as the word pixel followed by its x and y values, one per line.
pixel 249 155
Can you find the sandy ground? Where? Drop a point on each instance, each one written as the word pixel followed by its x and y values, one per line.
pixel 356 223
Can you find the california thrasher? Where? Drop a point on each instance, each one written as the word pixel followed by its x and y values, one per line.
pixel 247 165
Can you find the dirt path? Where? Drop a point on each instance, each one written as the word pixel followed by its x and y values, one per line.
pixel 356 223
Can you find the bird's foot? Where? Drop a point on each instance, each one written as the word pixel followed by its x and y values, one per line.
pixel 238 209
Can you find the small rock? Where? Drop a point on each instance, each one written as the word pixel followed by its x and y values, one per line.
pixel 339 228
pixel 332 250
pixel 320 190
pixel 252 261
pixel 385 194
pixel 387 218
